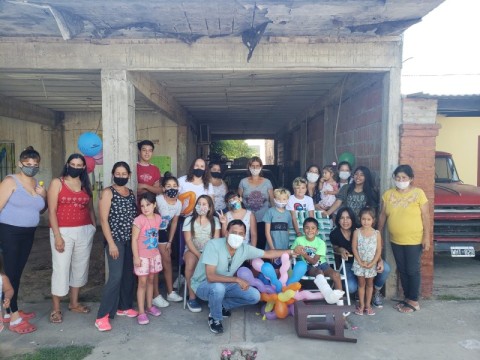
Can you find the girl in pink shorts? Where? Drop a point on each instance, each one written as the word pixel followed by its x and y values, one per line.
pixel 146 256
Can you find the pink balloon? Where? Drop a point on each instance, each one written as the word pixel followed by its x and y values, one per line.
pixel 257 264
pixel 284 269
pixel 99 158
pixel 308 295
pixel 90 163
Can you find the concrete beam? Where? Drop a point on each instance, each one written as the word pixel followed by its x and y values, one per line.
pixel 159 97
pixel 299 53
pixel 17 109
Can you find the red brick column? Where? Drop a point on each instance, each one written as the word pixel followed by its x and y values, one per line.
pixel 417 149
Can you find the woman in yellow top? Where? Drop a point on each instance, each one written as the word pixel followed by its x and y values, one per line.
pixel 405 209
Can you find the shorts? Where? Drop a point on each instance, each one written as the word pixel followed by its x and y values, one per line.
pixel 148 266
pixel 162 236
pixel 322 266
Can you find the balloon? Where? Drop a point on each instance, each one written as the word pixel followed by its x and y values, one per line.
pixel 299 270
pixel 308 295
pixel 291 309
pixel 263 279
pixel 270 315
pixel 188 202
pixel 90 162
pixel 348 157
pixel 269 306
pixel 269 272
pixel 281 309
pixel 99 158
pixel 285 296
pixel 89 144
pixel 257 264
pixel 284 269
pixel 295 287
pixel 268 297
pixel 246 274
pixel 270 289
pixel 291 301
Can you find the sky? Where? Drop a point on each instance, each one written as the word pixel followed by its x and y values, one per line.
pixel 441 54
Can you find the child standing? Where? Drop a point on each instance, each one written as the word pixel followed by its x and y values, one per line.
pixel 278 221
pixel 329 187
pixel 300 202
pixel 169 208
pixel 366 246
pixel 146 256
pixel 313 251
pixel 344 173
pixel 6 288
pixel 237 211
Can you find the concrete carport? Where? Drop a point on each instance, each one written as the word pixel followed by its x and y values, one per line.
pixel 319 77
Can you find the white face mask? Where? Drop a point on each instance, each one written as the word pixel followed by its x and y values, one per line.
pixel 279 204
pixel 344 175
pixel 255 172
pixel 235 241
pixel 312 177
pixel 402 185
pixel 201 210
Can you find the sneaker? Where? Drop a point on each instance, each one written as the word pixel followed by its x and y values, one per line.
pixel 179 281
pixel 160 302
pixel 215 325
pixel 377 300
pixel 128 313
pixel 174 297
pixel 226 313
pixel 154 311
pixel 142 319
pixel 194 306
pixel 103 324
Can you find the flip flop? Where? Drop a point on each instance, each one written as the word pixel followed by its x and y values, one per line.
pixel 399 305
pixel 23 328
pixel 56 317
pixel 359 311
pixel 408 308
pixel 81 309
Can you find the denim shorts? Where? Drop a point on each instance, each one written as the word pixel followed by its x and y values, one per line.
pixel 322 266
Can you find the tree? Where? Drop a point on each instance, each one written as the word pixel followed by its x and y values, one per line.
pixel 232 149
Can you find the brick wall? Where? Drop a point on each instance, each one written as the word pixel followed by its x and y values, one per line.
pixel 417 149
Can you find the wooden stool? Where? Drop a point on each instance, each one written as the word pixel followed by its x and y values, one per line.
pixel 315 315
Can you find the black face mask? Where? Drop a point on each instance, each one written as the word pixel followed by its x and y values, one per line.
pixel 171 193
pixel 74 172
pixel 198 172
pixel 120 181
pixel 216 175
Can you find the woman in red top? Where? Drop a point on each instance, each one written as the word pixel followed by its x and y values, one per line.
pixel 72 226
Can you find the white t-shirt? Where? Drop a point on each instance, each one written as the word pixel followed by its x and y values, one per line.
pixel 184 186
pixel 305 204
pixel 167 211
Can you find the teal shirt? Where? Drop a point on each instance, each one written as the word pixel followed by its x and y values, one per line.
pixel 216 254
pixel 312 247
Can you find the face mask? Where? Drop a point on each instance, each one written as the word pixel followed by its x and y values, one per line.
pixel 235 241
pixel 198 172
pixel 402 185
pixel 279 204
pixel 255 172
pixel 344 175
pixel 120 181
pixel 74 172
pixel 312 177
pixel 201 210
pixel 30 171
pixel 235 205
pixel 216 175
pixel 171 193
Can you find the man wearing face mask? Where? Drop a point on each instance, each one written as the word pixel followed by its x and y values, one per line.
pixel 214 279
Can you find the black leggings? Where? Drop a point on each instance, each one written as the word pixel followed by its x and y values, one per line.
pixel 408 262
pixel 16 243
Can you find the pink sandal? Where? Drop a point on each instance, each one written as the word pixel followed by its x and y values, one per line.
pixel 369 311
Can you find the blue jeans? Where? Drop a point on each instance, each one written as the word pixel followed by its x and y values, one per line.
pixel 380 279
pixel 228 295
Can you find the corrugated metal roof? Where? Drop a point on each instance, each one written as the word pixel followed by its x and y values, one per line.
pixel 454 105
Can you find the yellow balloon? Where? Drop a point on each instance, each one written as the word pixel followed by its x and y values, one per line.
pixel 269 306
pixel 285 296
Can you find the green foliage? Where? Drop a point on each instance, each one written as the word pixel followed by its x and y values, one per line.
pixel 61 353
pixel 232 149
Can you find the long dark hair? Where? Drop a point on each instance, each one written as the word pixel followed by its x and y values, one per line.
pixel 84 179
pixel 371 194
pixel 209 215
pixel 205 177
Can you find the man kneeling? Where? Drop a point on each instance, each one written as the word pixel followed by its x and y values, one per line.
pixel 214 279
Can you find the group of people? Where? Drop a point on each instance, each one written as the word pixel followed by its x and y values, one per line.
pixel 222 230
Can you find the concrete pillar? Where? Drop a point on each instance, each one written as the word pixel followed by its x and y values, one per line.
pixel 182 150
pixel 118 122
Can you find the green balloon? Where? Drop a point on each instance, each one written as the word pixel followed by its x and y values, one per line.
pixel 348 157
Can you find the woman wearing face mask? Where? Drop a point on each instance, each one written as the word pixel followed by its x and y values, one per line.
pixel 22 200
pixel 257 194
pixel 219 186
pixel 117 208
pixel 313 186
pixel 198 229
pixel 344 173
pixel 72 226
pixel 405 210
pixel 197 181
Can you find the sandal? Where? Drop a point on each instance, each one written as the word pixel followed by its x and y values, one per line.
pixel 23 328
pixel 408 308
pixel 56 317
pixel 81 309
pixel 26 316
pixel 399 305
pixel 359 311
pixel 369 311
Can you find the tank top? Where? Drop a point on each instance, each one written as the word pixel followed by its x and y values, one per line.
pixel 123 211
pixel 72 207
pixel 22 208
pixel 246 221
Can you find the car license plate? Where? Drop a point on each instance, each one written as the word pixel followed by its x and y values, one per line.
pixel 462 251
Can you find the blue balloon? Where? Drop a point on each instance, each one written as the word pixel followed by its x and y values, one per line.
pixel 269 272
pixel 263 279
pixel 298 271
pixel 89 144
